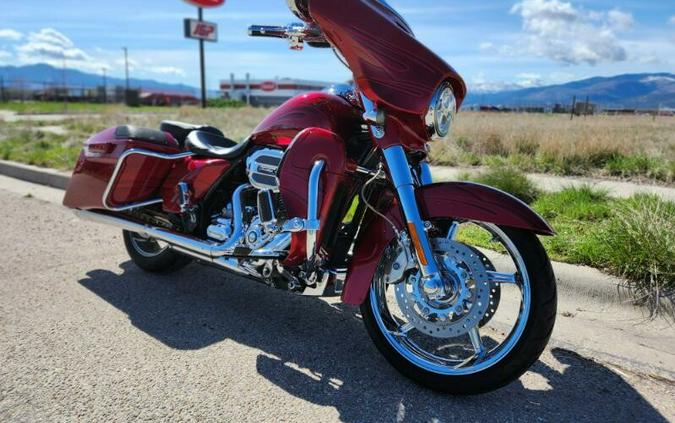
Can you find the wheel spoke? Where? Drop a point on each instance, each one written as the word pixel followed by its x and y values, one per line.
pixel 477 342
pixel 452 232
pixel 497 277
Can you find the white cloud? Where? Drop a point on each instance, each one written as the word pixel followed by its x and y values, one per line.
pixel 10 34
pixel 672 20
pixel 529 80
pixel 563 33
pixel 620 21
pixel 48 45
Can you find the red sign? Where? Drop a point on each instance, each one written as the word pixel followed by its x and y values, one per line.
pixel 268 86
pixel 206 3
pixel 201 30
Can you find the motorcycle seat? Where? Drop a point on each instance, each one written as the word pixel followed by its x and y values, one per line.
pixel 154 136
pixel 180 130
pixel 207 144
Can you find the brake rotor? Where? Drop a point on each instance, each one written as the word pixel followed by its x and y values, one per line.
pixel 465 276
pixel 495 290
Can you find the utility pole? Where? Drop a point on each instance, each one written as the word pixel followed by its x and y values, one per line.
pixel 202 66
pixel 126 70
pixel 574 107
pixel 248 89
pixel 65 86
pixel 105 86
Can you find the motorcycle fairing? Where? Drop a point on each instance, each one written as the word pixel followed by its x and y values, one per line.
pixel 459 200
pixel 310 146
pixel 390 66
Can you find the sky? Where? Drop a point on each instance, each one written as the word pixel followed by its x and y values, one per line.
pixel 494 44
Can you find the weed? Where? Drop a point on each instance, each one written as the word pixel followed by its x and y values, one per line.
pixel 509 180
pixel 638 243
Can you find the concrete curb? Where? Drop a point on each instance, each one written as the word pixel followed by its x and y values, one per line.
pixel 586 282
pixel 37 175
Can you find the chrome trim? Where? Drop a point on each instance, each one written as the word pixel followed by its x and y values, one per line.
pixel 118 168
pixel 205 248
pixel 275 247
pixel 255 167
pixel 312 224
pixel 411 351
pixel 184 191
pixel 435 107
pixel 374 118
pixel 403 181
pixel 372 115
pixel 296 33
pixel 425 174
pixel 368 172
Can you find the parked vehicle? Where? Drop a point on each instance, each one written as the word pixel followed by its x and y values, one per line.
pixel 332 193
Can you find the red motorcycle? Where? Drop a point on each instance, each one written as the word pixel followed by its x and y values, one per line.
pixel 332 193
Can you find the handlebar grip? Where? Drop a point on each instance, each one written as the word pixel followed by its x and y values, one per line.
pixel 267 31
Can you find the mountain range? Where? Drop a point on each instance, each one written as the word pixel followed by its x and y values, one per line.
pixel 636 91
pixel 40 74
pixel 631 91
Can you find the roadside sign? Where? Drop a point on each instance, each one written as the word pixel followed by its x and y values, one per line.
pixel 206 3
pixel 201 30
pixel 268 86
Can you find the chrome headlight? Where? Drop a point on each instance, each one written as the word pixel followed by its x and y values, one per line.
pixel 442 112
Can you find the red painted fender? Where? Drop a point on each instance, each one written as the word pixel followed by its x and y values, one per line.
pixel 459 200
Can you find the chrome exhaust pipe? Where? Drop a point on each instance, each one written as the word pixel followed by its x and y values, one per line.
pixel 212 250
pixel 181 243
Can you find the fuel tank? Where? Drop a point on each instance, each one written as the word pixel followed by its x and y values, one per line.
pixel 312 110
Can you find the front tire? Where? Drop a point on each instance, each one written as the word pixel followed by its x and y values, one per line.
pixel 522 354
pixel 151 256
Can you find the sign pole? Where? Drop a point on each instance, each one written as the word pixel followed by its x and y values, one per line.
pixel 201 61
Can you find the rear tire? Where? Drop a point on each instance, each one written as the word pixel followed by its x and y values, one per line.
pixel 151 257
pixel 526 351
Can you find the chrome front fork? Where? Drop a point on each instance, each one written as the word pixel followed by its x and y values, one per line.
pixel 402 178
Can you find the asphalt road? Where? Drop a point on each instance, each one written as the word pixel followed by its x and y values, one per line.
pixel 86 336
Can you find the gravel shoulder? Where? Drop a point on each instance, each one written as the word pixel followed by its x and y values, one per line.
pixel 86 336
pixel 552 183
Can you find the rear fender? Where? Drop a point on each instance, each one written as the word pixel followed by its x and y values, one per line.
pixel 458 200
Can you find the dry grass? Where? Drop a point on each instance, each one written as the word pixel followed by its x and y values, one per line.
pixel 623 146
pixel 236 123
pixel 553 143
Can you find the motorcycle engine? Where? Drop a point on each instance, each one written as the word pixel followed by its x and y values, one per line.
pixel 260 217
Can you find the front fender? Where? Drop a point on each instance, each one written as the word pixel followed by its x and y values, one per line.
pixel 458 200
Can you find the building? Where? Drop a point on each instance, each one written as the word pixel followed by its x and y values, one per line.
pixel 163 98
pixel 260 92
pixel 586 108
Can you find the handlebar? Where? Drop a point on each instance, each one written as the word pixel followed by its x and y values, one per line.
pixel 268 31
pixel 297 34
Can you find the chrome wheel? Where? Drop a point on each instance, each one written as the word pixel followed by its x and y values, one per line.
pixel 147 247
pixel 473 319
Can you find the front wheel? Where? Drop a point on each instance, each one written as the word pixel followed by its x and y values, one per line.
pixel 484 327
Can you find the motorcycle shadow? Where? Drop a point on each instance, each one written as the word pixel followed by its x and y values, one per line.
pixel 320 352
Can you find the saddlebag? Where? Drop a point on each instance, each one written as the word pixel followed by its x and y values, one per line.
pixel 122 168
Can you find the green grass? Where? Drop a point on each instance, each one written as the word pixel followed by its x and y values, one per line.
pixel 638 243
pixel 52 107
pixel 40 149
pixel 632 238
pixel 510 180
